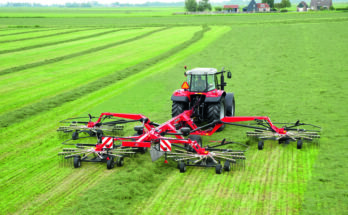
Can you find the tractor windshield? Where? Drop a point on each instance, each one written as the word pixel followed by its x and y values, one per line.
pixel 201 83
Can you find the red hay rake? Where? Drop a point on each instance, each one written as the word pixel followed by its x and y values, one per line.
pixel 178 139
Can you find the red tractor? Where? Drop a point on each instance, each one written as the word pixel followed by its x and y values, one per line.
pixel 203 91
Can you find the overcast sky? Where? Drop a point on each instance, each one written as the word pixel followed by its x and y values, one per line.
pixel 101 1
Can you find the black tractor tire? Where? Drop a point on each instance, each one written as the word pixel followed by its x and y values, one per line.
pixel 120 161
pixel 182 167
pixel 260 145
pixel 77 162
pixel 299 144
pixel 197 138
pixel 218 169
pixel 217 111
pixel 227 166
pixel 177 108
pixel 230 104
pixel 110 163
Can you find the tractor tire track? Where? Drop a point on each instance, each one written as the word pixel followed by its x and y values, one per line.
pixel 76 54
pixel 43 36
pixel 20 114
pixel 59 42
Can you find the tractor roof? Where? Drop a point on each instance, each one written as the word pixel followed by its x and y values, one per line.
pixel 202 71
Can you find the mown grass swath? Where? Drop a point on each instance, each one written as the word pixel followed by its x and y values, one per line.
pixel 22 113
pixel 58 42
pixel 73 55
pixel 42 36
pixel 71 73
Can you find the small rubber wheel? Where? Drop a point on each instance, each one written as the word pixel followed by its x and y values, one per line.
pixel 218 169
pixel 120 161
pixel 287 141
pixel 260 145
pixel 110 163
pixel 75 135
pixel 77 162
pixel 227 166
pixel 182 167
pixel 299 144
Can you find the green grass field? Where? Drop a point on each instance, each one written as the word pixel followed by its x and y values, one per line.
pixel 74 62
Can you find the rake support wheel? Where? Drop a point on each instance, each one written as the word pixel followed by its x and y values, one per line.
pixel 260 145
pixel 227 166
pixel 299 144
pixel 218 169
pixel 182 167
pixel 110 163
pixel 120 161
pixel 77 162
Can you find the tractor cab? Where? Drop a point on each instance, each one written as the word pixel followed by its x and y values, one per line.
pixel 205 80
pixel 202 79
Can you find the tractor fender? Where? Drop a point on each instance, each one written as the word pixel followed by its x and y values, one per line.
pixel 180 98
pixel 214 99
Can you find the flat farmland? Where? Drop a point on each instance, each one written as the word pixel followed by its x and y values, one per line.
pixel 287 67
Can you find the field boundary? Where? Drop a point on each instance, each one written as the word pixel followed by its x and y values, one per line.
pixel 12 117
pixel 63 41
pixel 76 54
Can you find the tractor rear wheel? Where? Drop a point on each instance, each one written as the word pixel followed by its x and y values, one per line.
pixel 77 162
pixel 230 104
pixel 217 111
pixel 177 108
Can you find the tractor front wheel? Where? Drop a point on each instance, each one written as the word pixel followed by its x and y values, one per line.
pixel 230 104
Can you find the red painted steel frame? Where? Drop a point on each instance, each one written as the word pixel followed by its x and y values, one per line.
pixel 153 134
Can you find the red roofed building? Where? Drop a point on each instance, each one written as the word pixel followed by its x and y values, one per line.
pixel 231 8
pixel 262 7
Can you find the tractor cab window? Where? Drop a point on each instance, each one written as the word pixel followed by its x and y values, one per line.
pixel 201 83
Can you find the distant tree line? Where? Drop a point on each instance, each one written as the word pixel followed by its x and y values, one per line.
pixel 283 4
pixel 192 5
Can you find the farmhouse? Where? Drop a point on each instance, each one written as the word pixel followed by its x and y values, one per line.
pixel 302 6
pixel 317 4
pixel 263 7
pixel 231 8
pixel 251 7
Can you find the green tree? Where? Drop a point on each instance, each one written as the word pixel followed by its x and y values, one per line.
pixel 204 5
pixel 285 3
pixel 269 2
pixel 191 5
pixel 278 5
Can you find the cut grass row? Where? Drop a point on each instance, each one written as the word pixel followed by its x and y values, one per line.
pixel 34 58
pixel 39 35
pixel 82 83
pixel 10 32
pixel 55 41
pixel 37 144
